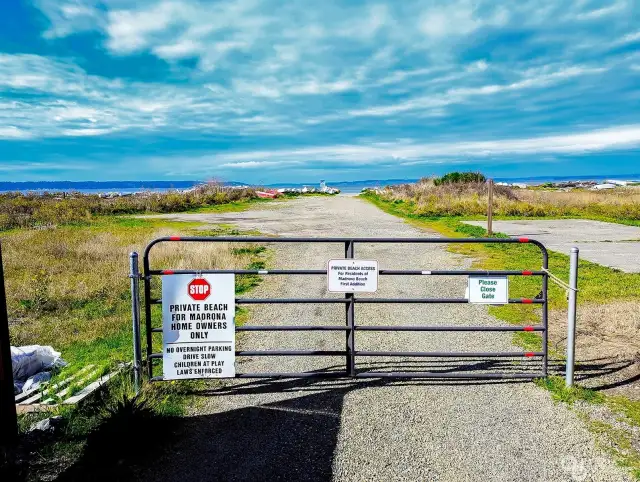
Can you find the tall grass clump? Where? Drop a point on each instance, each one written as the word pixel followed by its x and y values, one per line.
pixel 33 210
pixel 434 198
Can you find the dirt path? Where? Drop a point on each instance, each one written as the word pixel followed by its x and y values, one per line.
pixel 373 430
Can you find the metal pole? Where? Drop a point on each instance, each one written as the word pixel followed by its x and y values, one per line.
pixel 490 210
pixel 134 274
pixel 350 319
pixel 147 311
pixel 8 416
pixel 571 321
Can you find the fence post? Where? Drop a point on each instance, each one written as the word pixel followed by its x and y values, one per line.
pixel 490 209
pixel 571 321
pixel 134 275
pixel 350 319
pixel 8 416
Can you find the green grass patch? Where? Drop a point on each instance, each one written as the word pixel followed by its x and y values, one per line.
pixel 596 283
pixel 569 395
pixel 253 250
pixel 618 443
pixel 232 207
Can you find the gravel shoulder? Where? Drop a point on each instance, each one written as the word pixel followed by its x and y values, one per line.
pixel 346 430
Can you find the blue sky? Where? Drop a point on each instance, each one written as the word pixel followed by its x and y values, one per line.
pixel 267 91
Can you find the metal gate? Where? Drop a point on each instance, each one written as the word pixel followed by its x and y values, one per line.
pixel 350 327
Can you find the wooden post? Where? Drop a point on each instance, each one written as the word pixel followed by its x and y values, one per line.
pixel 8 417
pixel 490 209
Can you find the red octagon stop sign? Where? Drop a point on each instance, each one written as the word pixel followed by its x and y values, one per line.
pixel 199 289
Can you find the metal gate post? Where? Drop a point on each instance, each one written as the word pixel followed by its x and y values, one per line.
pixel 350 307
pixel 147 311
pixel 545 313
pixel 134 274
pixel 571 321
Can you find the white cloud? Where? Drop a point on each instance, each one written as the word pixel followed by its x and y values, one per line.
pixel 455 19
pixel 534 79
pixel 69 16
pixel 279 68
pixel 18 166
pixel 13 132
pixel 621 137
pixel 604 11
pixel 479 66
pixel 181 49
pixel 131 30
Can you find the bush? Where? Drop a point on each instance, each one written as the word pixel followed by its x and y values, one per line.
pixel 33 210
pixel 430 199
pixel 460 178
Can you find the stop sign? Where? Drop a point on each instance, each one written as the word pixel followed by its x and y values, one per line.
pixel 199 289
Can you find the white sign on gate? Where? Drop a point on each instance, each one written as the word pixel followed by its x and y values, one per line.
pixel 352 276
pixel 198 337
pixel 493 290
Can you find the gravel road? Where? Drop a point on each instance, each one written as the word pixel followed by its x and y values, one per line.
pixel 348 430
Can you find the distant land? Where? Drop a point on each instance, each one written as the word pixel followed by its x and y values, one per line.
pixel 125 187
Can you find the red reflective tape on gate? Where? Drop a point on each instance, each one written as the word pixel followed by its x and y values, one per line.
pixel 527 301
pixel 523 240
pixel 529 354
pixel 528 328
pixel 174 238
pixel 527 273
pixel 167 271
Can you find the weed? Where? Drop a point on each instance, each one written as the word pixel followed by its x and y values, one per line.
pixel 561 393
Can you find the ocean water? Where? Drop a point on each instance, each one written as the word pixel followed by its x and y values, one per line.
pixel 346 187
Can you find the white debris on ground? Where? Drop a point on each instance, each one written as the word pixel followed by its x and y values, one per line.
pixel 46 425
pixel 32 366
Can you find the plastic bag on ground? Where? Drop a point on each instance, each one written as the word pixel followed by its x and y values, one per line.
pixel 29 360
pixel 36 380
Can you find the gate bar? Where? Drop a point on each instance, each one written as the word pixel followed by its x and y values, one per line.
pixel 447 328
pixel 380 328
pixel 450 354
pixel 264 239
pixel 463 375
pixel 257 301
pixel 384 272
pixel 350 300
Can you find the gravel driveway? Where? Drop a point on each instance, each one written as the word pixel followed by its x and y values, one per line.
pixel 297 429
pixel 608 244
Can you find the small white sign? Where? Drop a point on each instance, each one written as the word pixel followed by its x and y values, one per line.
pixel 492 290
pixel 352 276
pixel 198 337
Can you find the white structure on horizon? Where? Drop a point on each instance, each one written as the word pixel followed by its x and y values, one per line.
pixel 600 187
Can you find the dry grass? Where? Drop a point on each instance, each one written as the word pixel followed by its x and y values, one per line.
pixel 427 199
pixel 18 210
pixel 70 284
pixel 610 329
pixel 607 345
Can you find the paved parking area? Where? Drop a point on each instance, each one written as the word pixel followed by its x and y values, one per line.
pixel 608 244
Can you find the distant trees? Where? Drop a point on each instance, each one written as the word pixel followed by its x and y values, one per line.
pixel 460 178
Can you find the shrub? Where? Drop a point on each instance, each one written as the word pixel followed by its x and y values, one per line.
pixel 32 210
pixel 460 178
